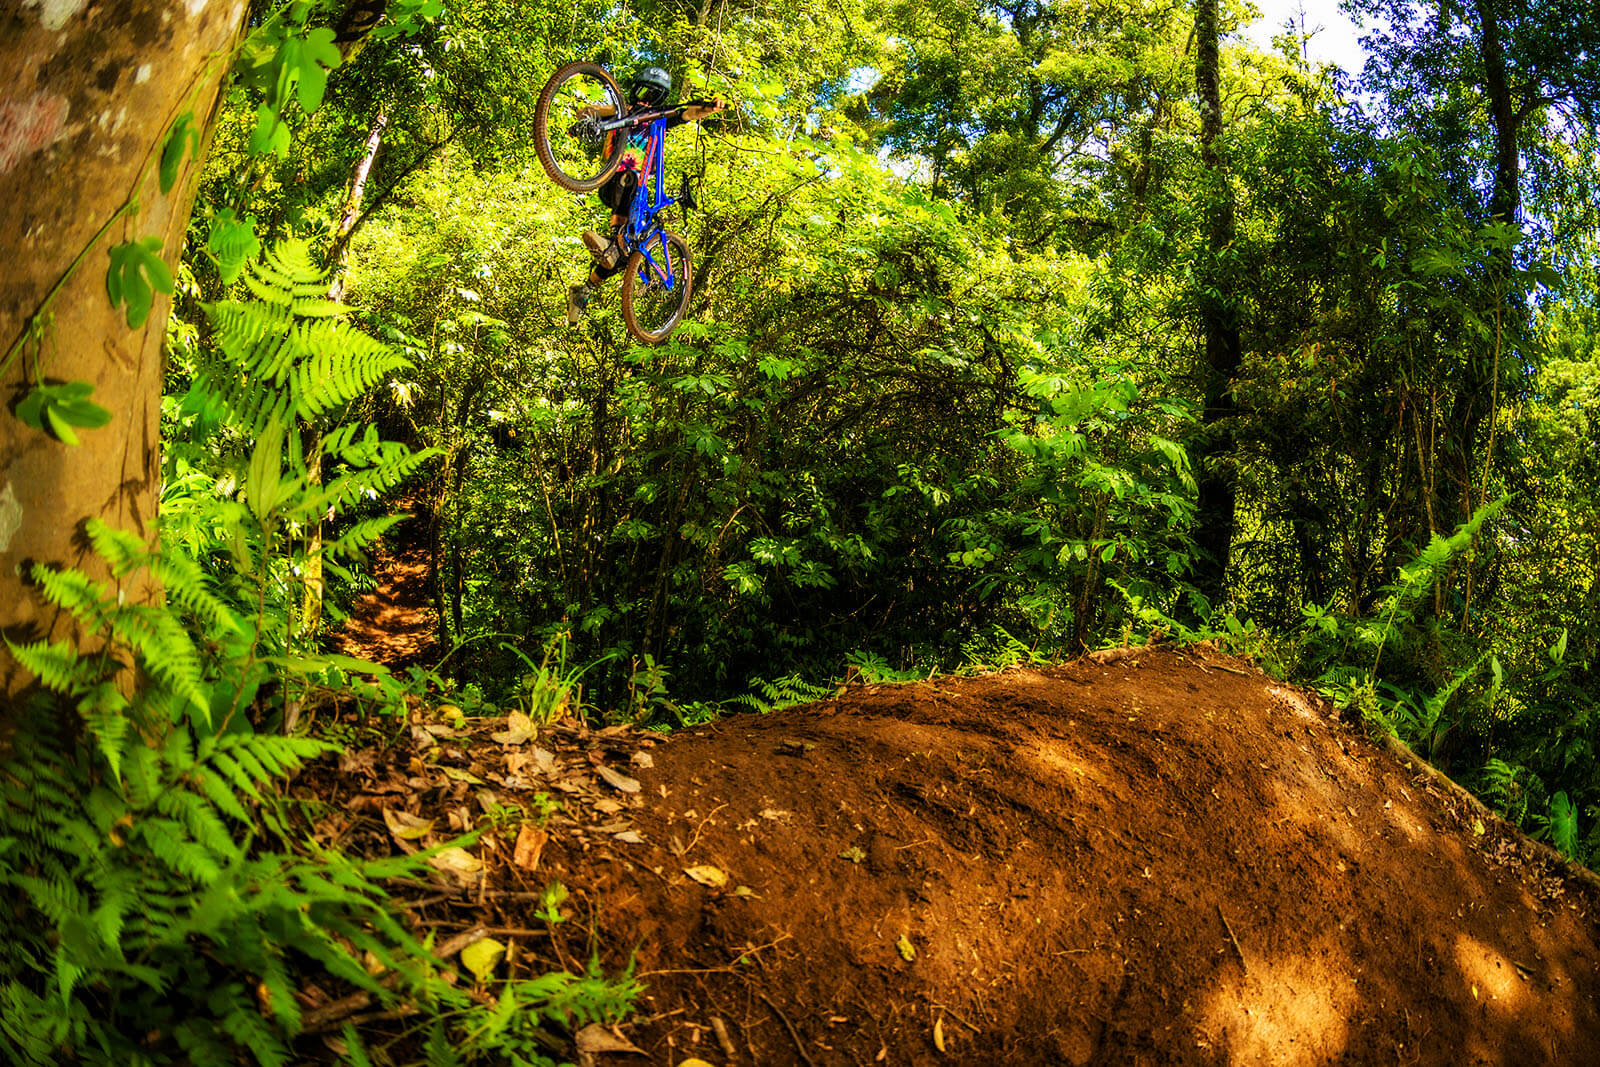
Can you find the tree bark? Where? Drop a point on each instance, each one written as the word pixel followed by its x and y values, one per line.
pixel 1214 512
pixel 90 94
pixel 1472 406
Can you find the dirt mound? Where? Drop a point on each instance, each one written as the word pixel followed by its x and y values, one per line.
pixel 1157 857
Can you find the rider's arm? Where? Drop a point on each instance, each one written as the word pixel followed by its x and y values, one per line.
pixel 696 110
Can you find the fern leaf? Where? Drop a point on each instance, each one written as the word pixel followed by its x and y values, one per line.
pixel 360 536
pixel 169 844
pixel 57 666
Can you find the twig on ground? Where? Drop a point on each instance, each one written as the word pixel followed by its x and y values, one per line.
pixel 338 1011
pixel 794 1035
pixel 1228 927
pixel 693 840
pixel 957 1017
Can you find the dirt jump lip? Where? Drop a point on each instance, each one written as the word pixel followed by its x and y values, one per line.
pixel 1154 856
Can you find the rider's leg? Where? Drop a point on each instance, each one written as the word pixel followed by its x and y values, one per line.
pixel 578 296
pixel 617 194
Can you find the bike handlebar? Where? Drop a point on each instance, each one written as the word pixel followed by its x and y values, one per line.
pixel 640 118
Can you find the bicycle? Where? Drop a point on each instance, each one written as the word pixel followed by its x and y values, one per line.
pixel 582 129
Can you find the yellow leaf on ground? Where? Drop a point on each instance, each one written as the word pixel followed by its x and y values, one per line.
pixel 406 826
pixel 480 958
pixel 938 1033
pixel 714 877
pixel 908 951
pixel 457 861
pixel 519 728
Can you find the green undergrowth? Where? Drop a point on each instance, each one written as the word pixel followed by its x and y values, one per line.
pixel 162 904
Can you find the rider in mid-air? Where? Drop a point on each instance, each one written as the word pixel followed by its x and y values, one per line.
pixel 648 89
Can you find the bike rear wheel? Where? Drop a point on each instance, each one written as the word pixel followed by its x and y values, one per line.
pixel 576 153
pixel 656 287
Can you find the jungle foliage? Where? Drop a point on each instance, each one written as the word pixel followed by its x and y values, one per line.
pixel 945 388
pixel 945 396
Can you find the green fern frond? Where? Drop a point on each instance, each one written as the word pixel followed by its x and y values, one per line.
pixel 56 665
pixel 340 363
pixel 107 724
pixel 395 467
pixel 169 844
pixel 360 536
pixel 59 901
pixel 186 584
pixel 216 788
pixel 242 1021
pixel 205 826
pixel 72 590
pixel 235 774
pixel 164 648
pixel 120 548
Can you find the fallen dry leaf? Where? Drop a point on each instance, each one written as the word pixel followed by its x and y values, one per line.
pixel 519 728
pixel 456 861
pixel 406 826
pixel 629 837
pixel 530 842
pixel 706 874
pixel 598 1038
pixel 643 759
pixel 938 1033
pixel 618 780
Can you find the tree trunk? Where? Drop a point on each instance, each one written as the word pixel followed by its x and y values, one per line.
pixel 1471 408
pixel 1214 512
pixel 90 95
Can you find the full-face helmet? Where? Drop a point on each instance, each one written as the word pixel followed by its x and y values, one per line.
pixel 650 87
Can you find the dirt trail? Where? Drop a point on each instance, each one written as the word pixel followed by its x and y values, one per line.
pixel 393 625
pixel 1157 857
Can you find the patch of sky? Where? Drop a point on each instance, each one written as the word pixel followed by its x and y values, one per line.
pixel 1332 36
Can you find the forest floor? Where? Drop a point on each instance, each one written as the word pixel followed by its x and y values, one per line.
pixel 1154 855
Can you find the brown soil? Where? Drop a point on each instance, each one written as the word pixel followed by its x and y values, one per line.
pixel 1156 856
pixel 394 624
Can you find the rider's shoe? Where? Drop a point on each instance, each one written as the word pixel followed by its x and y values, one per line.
pixel 603 249
pixel 578 299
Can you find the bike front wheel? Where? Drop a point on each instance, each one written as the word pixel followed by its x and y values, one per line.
pixel 656 287
pixel 576 153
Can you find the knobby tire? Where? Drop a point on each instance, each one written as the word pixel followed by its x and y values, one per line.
pixel 541 129
pixel 650 312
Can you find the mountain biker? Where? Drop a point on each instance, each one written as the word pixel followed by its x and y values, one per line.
pixel 649 89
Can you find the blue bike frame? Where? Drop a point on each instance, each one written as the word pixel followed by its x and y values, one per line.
pixel 649 200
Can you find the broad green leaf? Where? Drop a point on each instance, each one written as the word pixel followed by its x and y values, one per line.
pixel 481 957
pixel 137 273
pixel 183 138
pixel 266 470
